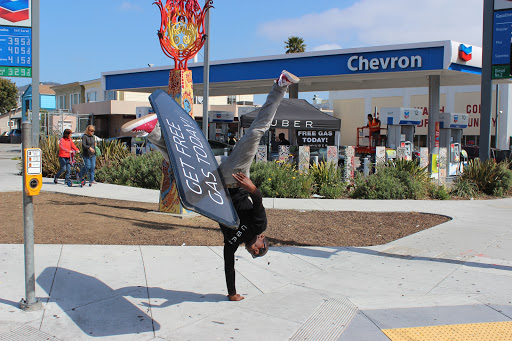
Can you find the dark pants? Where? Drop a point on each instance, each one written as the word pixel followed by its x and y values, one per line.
pixel 64 166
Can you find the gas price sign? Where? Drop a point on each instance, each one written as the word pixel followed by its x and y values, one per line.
pixel 15 51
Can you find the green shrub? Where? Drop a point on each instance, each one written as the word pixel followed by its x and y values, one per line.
pixel 490 178
pixel 329 181
pixel 281 180
pixel 50 149
pixel 464 188
pixel 388 183
pixel 419 174
pixel 136 171
pixel 439 192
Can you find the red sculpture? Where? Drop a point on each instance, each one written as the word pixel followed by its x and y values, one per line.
pixel 181 31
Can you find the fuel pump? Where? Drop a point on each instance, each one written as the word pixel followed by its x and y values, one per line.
pixel 401 123
pixel 218 124
pixel 450 137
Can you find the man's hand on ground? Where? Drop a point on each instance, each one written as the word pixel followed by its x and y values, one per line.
pixel 244 182
pixel 235 297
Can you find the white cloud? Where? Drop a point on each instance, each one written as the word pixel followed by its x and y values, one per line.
pixel 325 47
pixel 128 6
pixel 377 22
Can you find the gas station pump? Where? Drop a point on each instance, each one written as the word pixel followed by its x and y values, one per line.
pixel 401 123
pixel 450 137
pixel 218 124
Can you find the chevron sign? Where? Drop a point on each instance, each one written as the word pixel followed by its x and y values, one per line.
pixel 465 52
pixel 13 11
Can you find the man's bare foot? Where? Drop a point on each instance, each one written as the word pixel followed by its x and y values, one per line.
pixel 235 297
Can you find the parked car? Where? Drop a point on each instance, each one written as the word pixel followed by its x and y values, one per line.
pixel 15 132
pixel 15 136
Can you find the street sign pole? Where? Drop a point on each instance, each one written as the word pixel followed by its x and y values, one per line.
pixel 30 138
pixel 30 303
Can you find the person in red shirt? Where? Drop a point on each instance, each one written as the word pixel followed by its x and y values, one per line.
pixel 66 147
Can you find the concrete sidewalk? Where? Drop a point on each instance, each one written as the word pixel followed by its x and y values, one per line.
pixel 459 272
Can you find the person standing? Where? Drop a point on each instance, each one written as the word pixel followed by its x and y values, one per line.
pixel 246 197
pixel 283 141
pixel 66 147
pixel 89 152
pixel 374 126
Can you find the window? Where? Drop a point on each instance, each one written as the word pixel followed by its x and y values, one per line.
pixel 61 102
pixel 231 99
pixel 74 99
pixel 91 97
pixel 110 95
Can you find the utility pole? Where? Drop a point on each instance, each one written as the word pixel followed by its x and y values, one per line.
pixel 206 73
pixel 486 92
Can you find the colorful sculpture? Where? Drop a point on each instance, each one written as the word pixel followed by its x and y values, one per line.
pixel 181 35
pixel 181 31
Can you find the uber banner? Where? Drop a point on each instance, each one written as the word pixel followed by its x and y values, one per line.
pixel 315 138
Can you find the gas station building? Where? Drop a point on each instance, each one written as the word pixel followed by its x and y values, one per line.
pixel 425 75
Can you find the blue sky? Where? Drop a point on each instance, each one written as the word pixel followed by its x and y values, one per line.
pixel 82 39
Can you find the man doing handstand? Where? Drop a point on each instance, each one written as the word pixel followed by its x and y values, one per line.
pixel 235 171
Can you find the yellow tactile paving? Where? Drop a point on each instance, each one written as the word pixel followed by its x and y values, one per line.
pixel 493 331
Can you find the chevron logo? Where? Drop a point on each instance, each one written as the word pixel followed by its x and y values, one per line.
pixel 465 52
pixel 14 10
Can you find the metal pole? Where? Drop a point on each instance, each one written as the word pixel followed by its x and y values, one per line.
pixel 434 94
pixel 30 302
pixel 486 94
pixel 206 72
pixel 35 73
pixel 497 115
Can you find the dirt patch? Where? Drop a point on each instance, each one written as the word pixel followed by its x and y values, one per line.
pixel 67 219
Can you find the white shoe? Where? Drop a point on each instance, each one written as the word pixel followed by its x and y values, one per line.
pixel 143 125
pixel 286 78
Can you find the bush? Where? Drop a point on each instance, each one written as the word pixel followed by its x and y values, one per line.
pixel 50 149
pixel 281 180
pixel 489 177
pixel 464 188
pixel 419 174
pixel 136 171
pixel 388 182
pixel 439 192
pixel 328 179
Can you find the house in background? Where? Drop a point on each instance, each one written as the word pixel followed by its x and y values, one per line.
pixel 46 100
pixel 79 104
pixel 84 103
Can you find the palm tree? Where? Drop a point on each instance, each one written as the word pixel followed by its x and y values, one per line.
pixel 294 45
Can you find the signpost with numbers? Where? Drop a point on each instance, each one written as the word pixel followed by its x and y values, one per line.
pixel 15 51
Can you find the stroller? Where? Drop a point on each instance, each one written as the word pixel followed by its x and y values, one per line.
pixel 76 176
